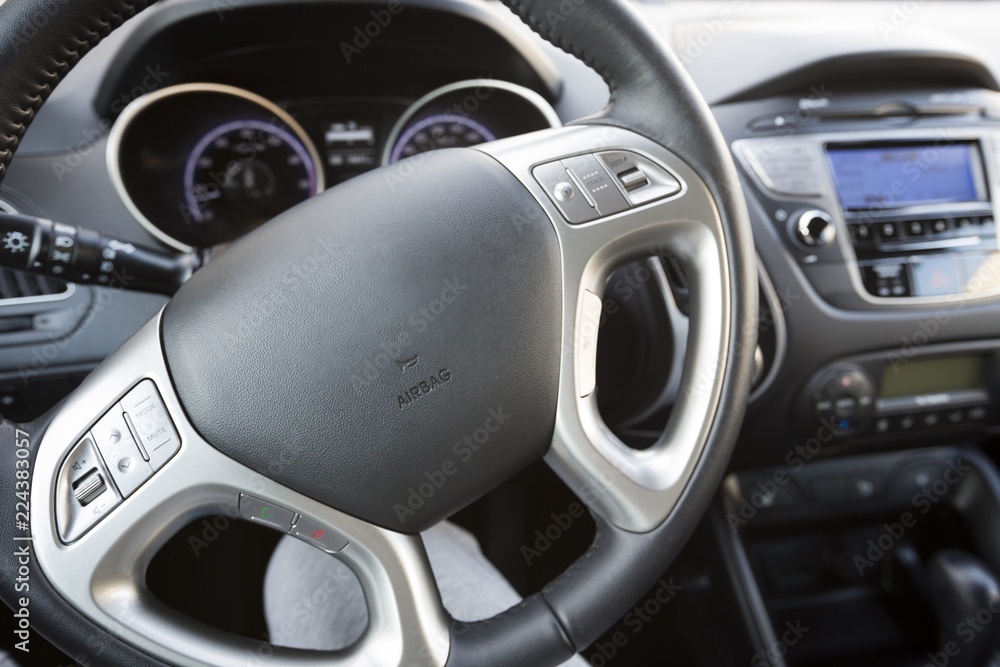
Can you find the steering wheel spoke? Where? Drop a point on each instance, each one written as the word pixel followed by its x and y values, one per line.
pixel 668 210
pixel 101 569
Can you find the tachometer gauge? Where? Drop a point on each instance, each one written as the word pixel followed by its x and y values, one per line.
pixel 201 164
pixel 467 113
pixel 440 131
pixel 247 172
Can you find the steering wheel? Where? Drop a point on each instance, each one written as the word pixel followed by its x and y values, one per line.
pixel 298 378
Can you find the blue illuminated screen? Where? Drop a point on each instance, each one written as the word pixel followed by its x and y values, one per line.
pixel 883 177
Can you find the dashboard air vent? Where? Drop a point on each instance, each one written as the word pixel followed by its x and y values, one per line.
pixel 21 285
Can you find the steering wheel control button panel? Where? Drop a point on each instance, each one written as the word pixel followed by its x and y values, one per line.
pixel 109 463
pixel 257 510
pixel 83 494
pixel 154 431
pixel 118 449
pixel 319 536
pixel 641 179
pixel 267 513
pixel 594 185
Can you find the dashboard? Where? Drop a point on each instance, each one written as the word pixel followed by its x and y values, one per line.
pixel 870 161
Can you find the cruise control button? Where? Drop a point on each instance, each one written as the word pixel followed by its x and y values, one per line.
pixel 597 183
pixel 317 535
pixel 564 193
pixel 269 514
pixel 153 429
pixel 117 446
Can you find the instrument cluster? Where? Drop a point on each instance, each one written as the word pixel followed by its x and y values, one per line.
pixel 201 164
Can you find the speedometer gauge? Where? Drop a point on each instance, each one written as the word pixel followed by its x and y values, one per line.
pixel 201 164
pixel 247 171
pixel 440 131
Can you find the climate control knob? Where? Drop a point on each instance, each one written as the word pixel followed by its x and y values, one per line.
pixel 843 399
pixel 814 229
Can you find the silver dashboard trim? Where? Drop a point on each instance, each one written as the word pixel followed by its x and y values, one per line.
pixel 137 107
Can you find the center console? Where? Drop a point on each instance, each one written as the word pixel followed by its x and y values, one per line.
pixel 885 218
pixel 874 560
pixel 860 519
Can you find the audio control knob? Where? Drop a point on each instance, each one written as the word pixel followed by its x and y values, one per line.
pixel 814 229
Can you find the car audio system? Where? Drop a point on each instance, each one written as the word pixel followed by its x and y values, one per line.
pixel 903 392
pixel 909 214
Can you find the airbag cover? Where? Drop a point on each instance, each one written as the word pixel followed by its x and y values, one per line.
pixel 390 348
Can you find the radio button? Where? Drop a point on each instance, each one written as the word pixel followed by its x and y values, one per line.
pixel 861 233
pixel 955 416
pixel 940 227
pixel 932 418
pixel 882 425
pixel 888 231
pixel 907 422
pixel 977 413
pixel 967 226
pixel 916 228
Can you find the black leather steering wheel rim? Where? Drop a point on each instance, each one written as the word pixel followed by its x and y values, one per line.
pixel 651 95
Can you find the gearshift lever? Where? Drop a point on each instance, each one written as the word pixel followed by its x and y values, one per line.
pixel 966 599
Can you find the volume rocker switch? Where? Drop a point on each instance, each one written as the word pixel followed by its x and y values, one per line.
pixel 83 493
pixel 89 487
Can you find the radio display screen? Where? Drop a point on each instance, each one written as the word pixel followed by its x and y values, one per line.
pixel 933 376
pixel 898 175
